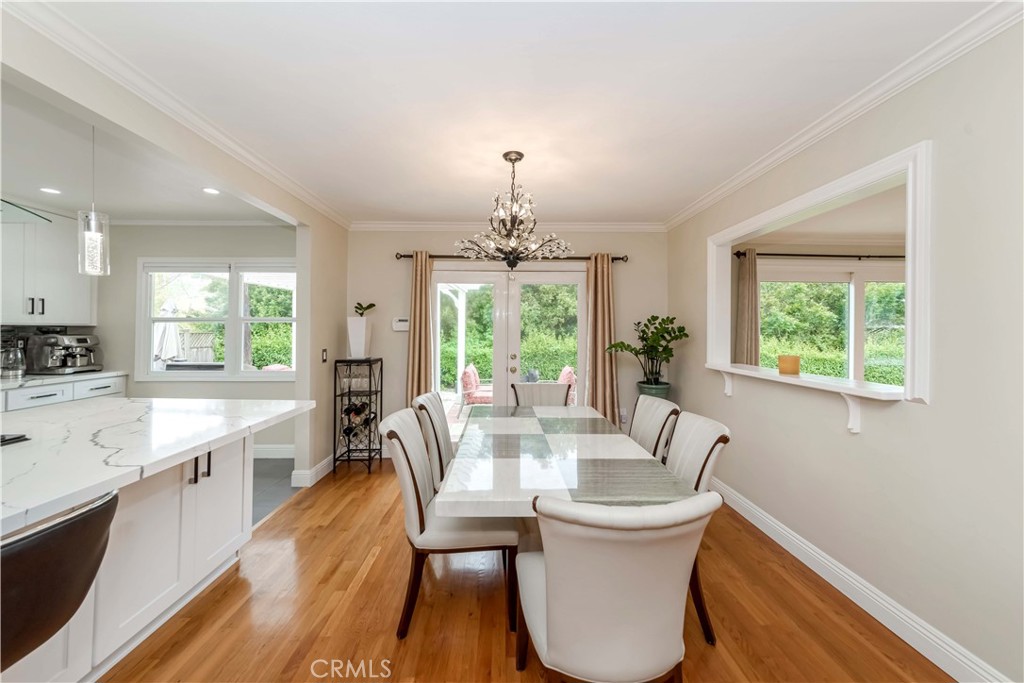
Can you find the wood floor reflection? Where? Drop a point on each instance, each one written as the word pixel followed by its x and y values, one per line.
pixel 323 579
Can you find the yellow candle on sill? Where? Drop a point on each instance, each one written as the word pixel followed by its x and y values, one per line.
pixel 789 365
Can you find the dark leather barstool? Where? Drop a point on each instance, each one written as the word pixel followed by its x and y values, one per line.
pixel 47 572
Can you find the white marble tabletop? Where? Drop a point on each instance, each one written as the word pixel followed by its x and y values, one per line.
pixel 82 449
pixel 508 455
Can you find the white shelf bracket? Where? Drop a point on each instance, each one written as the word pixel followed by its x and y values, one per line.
pixel 727 378
pixel 853 406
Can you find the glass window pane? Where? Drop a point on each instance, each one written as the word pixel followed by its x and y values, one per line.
pixel 548 334
pixel 189 295
pixel 268 295
pixel 885 332
pixel 188 346
pixel 268 346
pixel 806 319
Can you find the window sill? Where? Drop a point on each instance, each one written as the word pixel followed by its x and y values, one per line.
pixel 216 377
pixel 851 390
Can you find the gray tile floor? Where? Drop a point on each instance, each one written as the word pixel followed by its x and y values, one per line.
pixel 271 485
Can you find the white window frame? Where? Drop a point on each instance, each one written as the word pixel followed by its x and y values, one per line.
pixel 854 273
pixel 915 163
pixel 233 322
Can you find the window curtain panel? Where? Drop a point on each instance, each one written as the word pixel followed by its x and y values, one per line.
pixel 421 358
pixel 602 367
pixel 747 344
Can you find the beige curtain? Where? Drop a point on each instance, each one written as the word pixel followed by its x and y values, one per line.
pixel 747 327
pixel 421 358
pixel 602 367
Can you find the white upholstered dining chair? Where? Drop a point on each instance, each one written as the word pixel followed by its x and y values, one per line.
pixel 438 437
pixel 652 424
pixel 697 441
pixel 541 393
pixel 429 533
pixel 597 602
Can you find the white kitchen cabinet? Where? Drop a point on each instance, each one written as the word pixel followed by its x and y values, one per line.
pixel 171 531
pixel 221 510
pixel 150 557
pixel 67 656
pixel 33 397
pixel 40 280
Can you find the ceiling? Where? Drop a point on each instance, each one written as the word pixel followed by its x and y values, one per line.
pixel 44 146
pixel 877 218
pixel 626 112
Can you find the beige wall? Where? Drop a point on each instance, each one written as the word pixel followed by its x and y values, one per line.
pixel 375 275
pixel 925 504
pixel 48 71
pixel 117 301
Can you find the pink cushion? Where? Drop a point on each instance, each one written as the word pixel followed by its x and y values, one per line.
pixel 476 374
pixel 568 375
pixel 468 383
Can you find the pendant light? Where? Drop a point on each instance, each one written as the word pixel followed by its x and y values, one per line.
pixel 512 238
pixel 93 232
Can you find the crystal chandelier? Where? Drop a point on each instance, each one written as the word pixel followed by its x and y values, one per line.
pixel 512 238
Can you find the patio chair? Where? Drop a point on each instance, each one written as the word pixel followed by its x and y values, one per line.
pixel 473 391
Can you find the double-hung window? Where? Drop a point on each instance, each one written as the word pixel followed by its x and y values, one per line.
pixel 214 319
pixel 843 318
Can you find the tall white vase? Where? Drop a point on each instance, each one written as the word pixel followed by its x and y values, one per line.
pixel 358 337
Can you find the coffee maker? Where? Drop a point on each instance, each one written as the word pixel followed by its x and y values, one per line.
pixel 63 354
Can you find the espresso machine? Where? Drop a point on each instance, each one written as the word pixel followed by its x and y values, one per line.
pixel 63 354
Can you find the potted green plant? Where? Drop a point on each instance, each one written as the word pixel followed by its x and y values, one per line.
pixel 359 332
pixel 656 336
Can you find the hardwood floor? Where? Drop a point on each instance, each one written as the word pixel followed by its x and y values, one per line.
pixel 323 579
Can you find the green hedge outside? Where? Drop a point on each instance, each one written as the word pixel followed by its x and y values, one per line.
pixel 543 352
pixel 883 358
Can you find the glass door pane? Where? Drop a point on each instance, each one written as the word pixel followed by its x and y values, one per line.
pixel 466 339
pixel 546 327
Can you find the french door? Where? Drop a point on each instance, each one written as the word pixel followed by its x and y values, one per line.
pixel 493 328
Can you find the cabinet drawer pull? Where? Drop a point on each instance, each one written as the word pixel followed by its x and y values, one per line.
pixel 42 306
pixel 31 305
pixel 32 398
pixel 105 386
pixel 209 465
pixel 194 479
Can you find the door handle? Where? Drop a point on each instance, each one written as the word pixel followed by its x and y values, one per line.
pixel 31 305
pixel 209 465
pixel 513 356
pixel 513 369
pixel 194 479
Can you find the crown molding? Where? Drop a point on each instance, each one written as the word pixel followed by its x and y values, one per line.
pixel 981 27
pixel 59 29
pixel 155 222
pixel 828 240
pixel 478 226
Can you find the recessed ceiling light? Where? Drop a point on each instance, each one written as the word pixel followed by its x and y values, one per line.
pixel 211 190
pixel 49 190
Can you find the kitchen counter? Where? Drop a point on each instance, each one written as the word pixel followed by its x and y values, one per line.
pixel 84 449
pixel 43 380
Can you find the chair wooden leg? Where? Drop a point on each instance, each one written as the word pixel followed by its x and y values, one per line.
pixel 419 559
pixel 511 586
pixel 522 637
pixel 504 559
pixel 698 602
pixel 677 673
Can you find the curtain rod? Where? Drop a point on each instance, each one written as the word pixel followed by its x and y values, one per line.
pixel 452 257
pixel 740 254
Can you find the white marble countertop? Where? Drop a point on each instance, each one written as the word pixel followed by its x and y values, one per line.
pixel 82 449
pixel 42 380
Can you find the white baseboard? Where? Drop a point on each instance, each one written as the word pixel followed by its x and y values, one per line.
pixel 309 477
pixel 942 650
pixel 274 451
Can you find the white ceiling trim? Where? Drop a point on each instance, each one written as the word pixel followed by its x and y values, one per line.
pixel 479 226
pixel 964 38
pixel 55 25
pixel 227 223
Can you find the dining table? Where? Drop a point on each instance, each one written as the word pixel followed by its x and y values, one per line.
pixel 507 455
